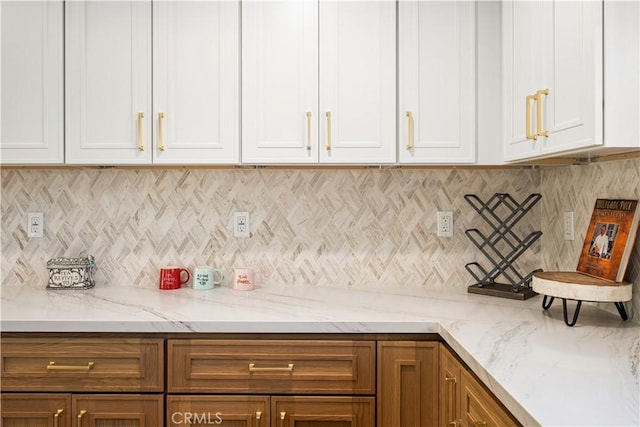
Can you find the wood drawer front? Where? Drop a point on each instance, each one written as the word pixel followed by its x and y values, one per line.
pixel 236 410
pixel 80 364
pixel 323 411
pixel 302 367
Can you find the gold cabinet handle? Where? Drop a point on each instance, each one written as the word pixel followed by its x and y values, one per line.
pixel 80 415
pixel 328 114
pixel 282 415
pixel 56 417
pixel 530 99
pixel 479 424
pixel 258 416
pixel 161 117
pixel 453 424
pixel 450 379
pixel 410 123
pixel 254 368
pixel 308 130
pixel 540 130
pixel 140 142
pixel 53 367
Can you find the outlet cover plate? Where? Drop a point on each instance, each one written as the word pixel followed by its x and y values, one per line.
pixel 445 224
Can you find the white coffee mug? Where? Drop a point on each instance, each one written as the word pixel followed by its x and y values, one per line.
pixel 243 279
pixel 205 278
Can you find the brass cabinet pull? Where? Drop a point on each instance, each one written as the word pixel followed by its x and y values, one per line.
pixel 254 368
pixel 479 424
pixel 530 99
pixel 258 416
pixel 453 424
pixel 80 415
pixel 328 114
pixel 410 123
pixel 56 417
pixel 450 379
pixel 140 142
pixel 161 117
pixel 53 367
pixel 308 130
pixel 282 415
pixel 539 94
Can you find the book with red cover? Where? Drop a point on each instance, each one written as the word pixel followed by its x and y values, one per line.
pixel 610 238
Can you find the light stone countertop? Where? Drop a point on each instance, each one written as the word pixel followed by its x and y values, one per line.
pixel 543 371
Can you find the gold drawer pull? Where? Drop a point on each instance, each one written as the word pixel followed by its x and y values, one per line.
pixel 140 142
pixel 308 130
pixel 450 379
pixel 161 117
pixel 56 417
pixel 328 115
pixel 539 114
pixel 410 138
pixel 254 368
pixel 282 415
pixel 53 367
pixel 258 416
pixel 80 415
pixel 528 132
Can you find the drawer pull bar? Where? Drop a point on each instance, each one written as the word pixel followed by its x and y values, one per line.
pixel 450 379
pixel 308 130
pixel 254 368
pixel 53 367
pixel 80 415
pixel 529 134
pixel 410 136
pixel 56 417
pixel 539 115
pixel 140 142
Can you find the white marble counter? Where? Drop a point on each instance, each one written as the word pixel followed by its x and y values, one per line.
pixel 543 371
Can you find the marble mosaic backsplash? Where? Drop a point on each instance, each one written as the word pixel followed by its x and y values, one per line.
pixel 337 227
pixel 576 188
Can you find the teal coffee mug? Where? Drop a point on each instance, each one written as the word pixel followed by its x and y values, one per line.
pixel 205 278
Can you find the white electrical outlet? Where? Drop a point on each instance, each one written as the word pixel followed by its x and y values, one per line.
pixel 445 224
pixel 241 224
pixel 35 224
pixel 568 225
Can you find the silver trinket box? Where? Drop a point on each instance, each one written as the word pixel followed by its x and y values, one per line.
pixel 71 273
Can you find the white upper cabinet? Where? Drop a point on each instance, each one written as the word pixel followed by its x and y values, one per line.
pixel 194 118
pixel 436 82
pixel 31 89
pixel 280 81
pixel 108 82
pixel 196 74
pixel 318 82
pixel 357 82
pixel 553 61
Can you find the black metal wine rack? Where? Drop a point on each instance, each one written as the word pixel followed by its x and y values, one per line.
pixel 502 246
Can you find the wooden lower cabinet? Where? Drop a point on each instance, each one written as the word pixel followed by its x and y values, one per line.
pixel 270 411
pixel 322 411
pixel 226 411
pixel 464 401
pixel 407 383
pixel 81 410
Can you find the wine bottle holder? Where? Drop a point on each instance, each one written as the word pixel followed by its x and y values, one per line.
pixel 502 246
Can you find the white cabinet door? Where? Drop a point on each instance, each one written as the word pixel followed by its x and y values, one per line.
pixel 357 82
pixel 522 75
pixel 196 93
pixel 108 82
pixel 31 123
pixel 280 81
pixel 437 90
pixel 552 70
pixel 572 113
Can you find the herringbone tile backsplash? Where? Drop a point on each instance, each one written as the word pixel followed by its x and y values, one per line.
pixel 341 227
pixel 576 188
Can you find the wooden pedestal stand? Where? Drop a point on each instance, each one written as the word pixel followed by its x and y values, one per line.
pixel 580 287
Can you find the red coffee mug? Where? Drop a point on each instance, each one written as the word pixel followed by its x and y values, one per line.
pixel 171 277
